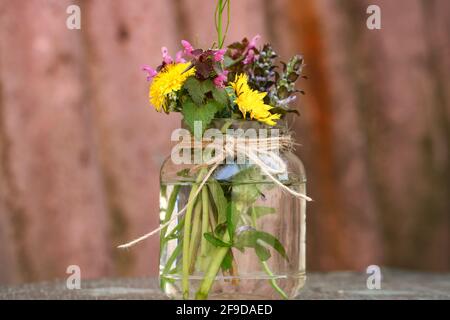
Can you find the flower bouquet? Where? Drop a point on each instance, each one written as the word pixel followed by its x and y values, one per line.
pixel 232 198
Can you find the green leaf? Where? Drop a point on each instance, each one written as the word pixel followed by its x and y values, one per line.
pixel 232 219
pixel 172 236
pixel 244 188
pixel 219 200
pixel 215 241
pixel 195 90
pixel 207 86
pixel 245 239
pixel 183 172
pixel 260 211
pixel 227 261
pixel 231 94
pixel 273 242
pixel 227 61
pixel 198 89
pixel 262 252
pixel 221 96
pixel 217 106
pixel 220 229
pixel 192 113
pixel 252 238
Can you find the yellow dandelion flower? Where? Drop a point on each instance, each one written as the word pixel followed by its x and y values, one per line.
pixel 252 101
pixel 168 80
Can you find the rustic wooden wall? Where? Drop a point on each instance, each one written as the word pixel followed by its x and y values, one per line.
pixel 80 149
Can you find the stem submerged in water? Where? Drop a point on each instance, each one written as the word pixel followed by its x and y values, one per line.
pixel 168 265
pixel 168 215
pixel 195 235
pixel 265 266
pixel 186 242
pixel 205 225
pixel 187 234
pixel 213 269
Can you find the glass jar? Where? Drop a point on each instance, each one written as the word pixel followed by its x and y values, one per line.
pixel 241 235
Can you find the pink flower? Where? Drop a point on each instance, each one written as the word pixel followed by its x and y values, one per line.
pixel 250 57
pixel 179 57
pixel 166 57
pixel 220 79
pixel 252 43
pixel 187 47
pixel 218 55
pixel 249 52
pixel 151 72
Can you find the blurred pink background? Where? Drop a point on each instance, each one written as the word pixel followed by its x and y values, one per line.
pixel 80 147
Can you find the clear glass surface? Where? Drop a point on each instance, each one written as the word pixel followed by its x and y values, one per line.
pixel 261 213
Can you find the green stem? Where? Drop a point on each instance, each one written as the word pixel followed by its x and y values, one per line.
pixel 186 238
pixel 265 266
pixel 175 253
pixel 219 23
pixel 212 219
pixel 164 239
pixel 273 281
pixel 187 235
pixel 213 269
pixel 195 234
pixel 205 224
pixel 168 215
pixel 171 234
pixel 171 205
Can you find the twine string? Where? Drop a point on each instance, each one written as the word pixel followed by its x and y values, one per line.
pixel 255 149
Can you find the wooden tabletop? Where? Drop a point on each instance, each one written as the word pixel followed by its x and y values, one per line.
pixel 395 284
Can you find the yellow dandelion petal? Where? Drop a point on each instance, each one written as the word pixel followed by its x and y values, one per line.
pixel 252 101
pixel 168 80
pixel 270 120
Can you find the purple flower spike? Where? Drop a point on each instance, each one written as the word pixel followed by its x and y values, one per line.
pixel 187 47
pixel 151 72
pixel 179 57
pixel 166 57
pixel 218 55
pixel 220 80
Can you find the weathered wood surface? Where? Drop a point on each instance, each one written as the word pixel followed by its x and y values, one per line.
pixel 398 285
pixel 80 149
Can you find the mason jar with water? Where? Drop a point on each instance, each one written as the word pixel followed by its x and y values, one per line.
pixel 233 226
